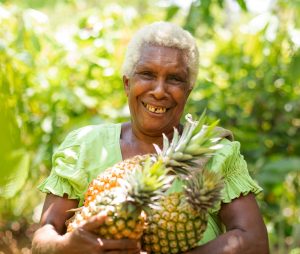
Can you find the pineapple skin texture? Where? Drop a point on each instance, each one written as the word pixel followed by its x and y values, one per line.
pixel 119 223
pixel 175 228
pixel 109 178
pixel 102 195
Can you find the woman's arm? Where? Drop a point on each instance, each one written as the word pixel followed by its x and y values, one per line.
pixel 245 230
pixel 51 237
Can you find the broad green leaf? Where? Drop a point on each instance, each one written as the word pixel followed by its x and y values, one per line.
pixel 274 172
pixel 171 12
pixel 193 19
pixel 295 65
pixel 14 172
pixel 221 3
pixel 35 42
pixel 283 165
pixel 242 4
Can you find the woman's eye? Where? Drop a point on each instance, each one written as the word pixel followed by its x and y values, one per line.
pixel 146 75
pixel 176 79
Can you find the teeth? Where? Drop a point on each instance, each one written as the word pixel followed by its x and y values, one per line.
pixel 157 110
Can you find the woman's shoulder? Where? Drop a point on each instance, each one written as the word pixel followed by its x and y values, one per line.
pixel 226 156
pixel 229 161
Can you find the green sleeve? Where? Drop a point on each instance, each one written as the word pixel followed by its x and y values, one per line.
pixel 237 181
pixel 66 176
pixel 229 162
pixel 233 167
pixel 83 155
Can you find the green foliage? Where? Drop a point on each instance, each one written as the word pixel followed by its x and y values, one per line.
pixel 49 86
pixel 249 79
pixel 57 78
pixel 202 14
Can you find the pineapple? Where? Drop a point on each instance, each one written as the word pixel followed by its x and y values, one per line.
pixel 182 218
pixel 174 224
pixel 137 190
pixel 180 222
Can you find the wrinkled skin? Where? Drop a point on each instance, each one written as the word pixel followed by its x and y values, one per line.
pixel 160 79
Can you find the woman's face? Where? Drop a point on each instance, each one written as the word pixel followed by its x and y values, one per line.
pixel 157 90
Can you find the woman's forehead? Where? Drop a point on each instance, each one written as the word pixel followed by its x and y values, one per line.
pixel 154 54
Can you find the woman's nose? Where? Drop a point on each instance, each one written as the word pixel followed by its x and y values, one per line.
pixel 159 89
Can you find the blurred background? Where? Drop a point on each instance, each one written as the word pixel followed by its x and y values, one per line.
pixel 60 70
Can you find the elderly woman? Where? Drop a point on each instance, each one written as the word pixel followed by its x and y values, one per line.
pixel 159 72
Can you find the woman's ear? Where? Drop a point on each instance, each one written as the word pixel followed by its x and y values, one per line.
pixel 126 84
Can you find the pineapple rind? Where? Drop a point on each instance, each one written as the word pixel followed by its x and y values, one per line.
pixel 177 235
pixel 118 223
pixel 137 183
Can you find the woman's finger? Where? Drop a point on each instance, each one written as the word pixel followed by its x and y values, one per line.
pixel 94 222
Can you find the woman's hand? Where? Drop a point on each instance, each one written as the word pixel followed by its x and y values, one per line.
pixel 84 240
pixel 51 237
pixel 245 230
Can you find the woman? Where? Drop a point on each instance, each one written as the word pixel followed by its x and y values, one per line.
pixel 159 72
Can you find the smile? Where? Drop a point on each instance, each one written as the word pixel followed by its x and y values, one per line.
pixel 154 109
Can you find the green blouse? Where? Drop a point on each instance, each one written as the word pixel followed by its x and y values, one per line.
pixel 88 151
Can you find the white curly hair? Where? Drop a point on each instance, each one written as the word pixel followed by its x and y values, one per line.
pixel 163 34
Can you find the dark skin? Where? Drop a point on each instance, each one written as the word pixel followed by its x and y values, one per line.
pixel 157 92
pixel 245 230
pixel 51 237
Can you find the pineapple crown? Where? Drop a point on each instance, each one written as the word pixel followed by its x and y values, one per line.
pixel 145 187
pixel 185 154
pixel 197 140
pixel 203 189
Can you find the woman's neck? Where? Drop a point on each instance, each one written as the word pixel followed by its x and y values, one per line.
pixel 134 142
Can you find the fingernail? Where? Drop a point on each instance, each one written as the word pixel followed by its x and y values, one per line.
pixel 101 214
pixel 100 241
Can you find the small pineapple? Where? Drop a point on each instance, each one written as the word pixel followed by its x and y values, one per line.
pixel 138 189
pixel 110 177
pixel 137 184
pixel 180 222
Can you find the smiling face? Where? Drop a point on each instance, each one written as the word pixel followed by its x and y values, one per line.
pixel 157 90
